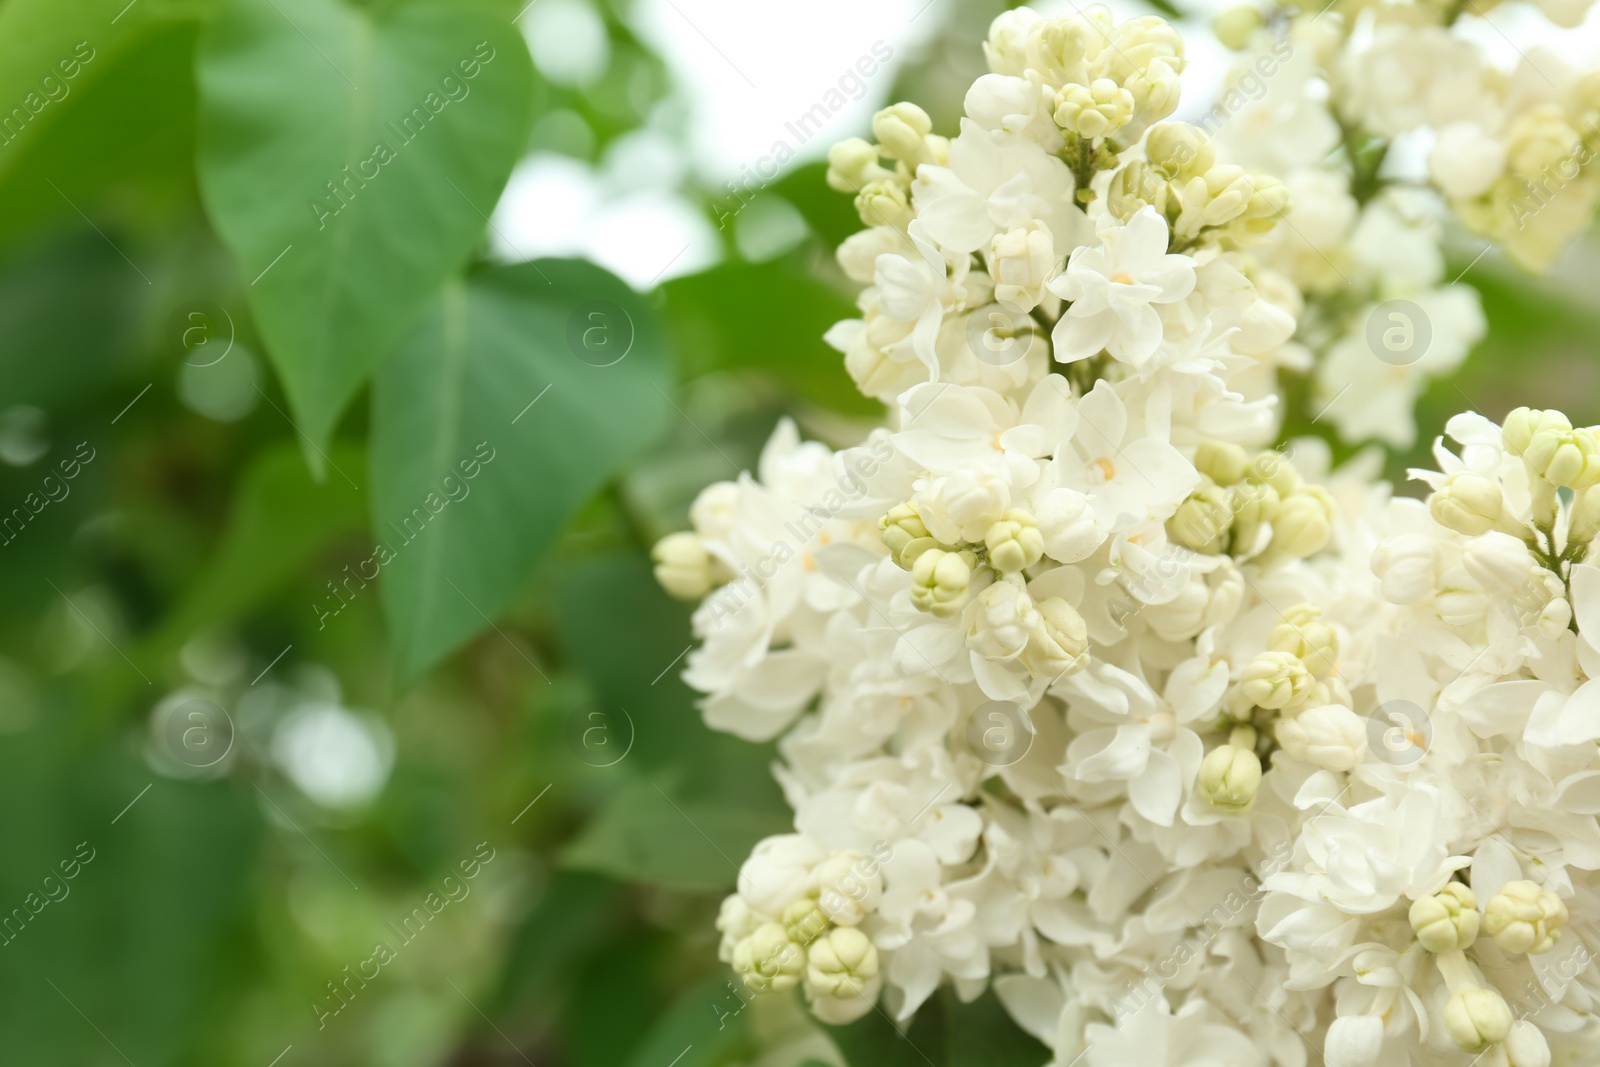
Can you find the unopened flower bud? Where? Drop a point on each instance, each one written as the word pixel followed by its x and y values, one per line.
pixel 1552 449
pixel 849 887
pixel 852 165
pixel 1446 921
pixel 1329 736
pixel 1230 777
pixel 1000 620
pixel 683 567
pixel 1477 1018
pixel 1014 542
pixel 1526 1045
pixel 841 963
pixel 1304 524
pixel 1095 110
pixel 1468 503
pixel 769 960
pixel 904 534
pixel 884 203
pixel 1221 461
pixel 1303 632
pixel 939 581
pixel 1275 680
pixel 1585 517
pixel 1059 644
pixel 1499 563
pixel 1523 424
pixel 804 921
pixel 900 129
pixel 1155 90
pixel 1273 468
pixel 1203 521
pixel 1254 507
pixel 1406 566
pixel 1178 150
pixel 1021 261
pixel 1522 917
pixel 1235 26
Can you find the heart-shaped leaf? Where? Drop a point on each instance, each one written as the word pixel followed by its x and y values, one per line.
pixel 349 158
pixel 519 393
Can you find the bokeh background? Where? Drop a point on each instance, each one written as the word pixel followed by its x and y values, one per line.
pixel 247 793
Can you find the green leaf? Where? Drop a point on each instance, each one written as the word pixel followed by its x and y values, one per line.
pixel 164 891
pixel 51 50
pixel 281 517
pixel 645 834
pixel 766 316
pixel 349 158
pixel 705 1028
pixel 944 1032
pixel 830 214
pixel 490 426
pixel 68 314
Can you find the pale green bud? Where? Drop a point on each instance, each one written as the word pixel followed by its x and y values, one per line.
pixel 769 960
pixel 1326 734
pixel 904 534
pixel 1304 523
pixel 1235 26
pixel 1272 468
pixel 1059 644
pixel 900 129
pixel 1221 461
pixel 1275 680
pixel 1522 424
pixel 841 963
pixel 804 921
pixel 939 581
pixel 1255 504
pixel 1477 1018
pixel 1155 90
pixel 884 203
pixel 1202 522
pixel 683 567
pixel 1526 1045
pixel 1230 778
pixel 1014 542
pixel 1179 150
pixel 853 164
pixel 1564 458
pixel 1448 920
pixel 1303 632
pixel 1095 110
pixel 1133 187
pixel 849 887
pixel 1467 503
pixel 1585 517
pixel 1522 917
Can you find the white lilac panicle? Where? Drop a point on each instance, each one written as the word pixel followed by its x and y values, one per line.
pixel 1194 749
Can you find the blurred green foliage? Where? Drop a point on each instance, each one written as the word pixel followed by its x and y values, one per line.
pixel 244 432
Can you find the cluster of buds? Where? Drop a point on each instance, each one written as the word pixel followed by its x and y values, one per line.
pixel 815 940
pixel 904 141
pixel 1101 84
pixel 1204 201
pixel 1522 917
pixel 1252 508
pixel 1543 158
pixel 983 583
pixel 1557 456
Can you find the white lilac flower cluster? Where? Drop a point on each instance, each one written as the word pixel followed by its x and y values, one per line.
pixel 1193 749
pixel 1336 105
